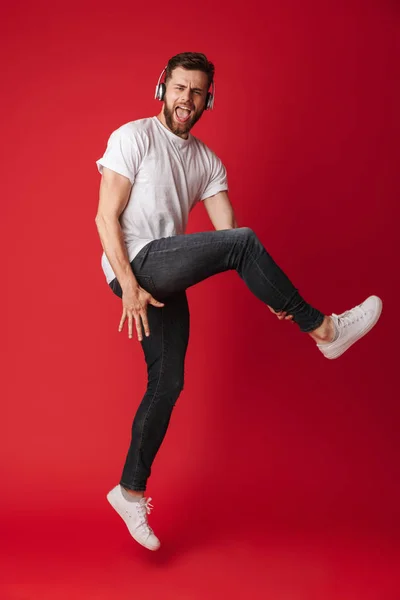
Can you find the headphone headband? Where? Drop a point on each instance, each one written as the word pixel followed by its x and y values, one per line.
pixel 161 89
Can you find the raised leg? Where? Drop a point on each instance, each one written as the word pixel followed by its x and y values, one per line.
pixel 175 263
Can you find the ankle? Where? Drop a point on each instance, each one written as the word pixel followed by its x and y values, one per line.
pixel 325 332
pixel 134 493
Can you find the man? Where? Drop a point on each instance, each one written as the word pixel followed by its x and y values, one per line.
pixel 154 171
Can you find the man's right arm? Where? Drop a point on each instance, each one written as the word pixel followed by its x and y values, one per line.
pixel 113 198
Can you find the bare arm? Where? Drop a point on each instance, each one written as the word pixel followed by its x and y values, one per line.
pixel 222 216
pixel 113 198
pixel 220 211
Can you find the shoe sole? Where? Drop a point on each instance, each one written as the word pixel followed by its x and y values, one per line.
pixel 367 330
pixel 110 500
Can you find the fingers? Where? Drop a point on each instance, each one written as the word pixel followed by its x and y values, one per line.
pixel 281 314
pixel 143 316
pixel 155 302
pixel 145 324
pixel 140 317
pixel 128 314
pixel 122 321
pixel 138 328
pixel 284 316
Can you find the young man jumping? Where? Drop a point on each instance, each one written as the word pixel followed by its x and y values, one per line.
pixel 154 171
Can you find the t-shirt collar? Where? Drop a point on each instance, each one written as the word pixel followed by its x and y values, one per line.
pixel 175 138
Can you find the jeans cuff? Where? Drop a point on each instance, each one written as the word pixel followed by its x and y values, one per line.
pixel 134 488
pixel 317 324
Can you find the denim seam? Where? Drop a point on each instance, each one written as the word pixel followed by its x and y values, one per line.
pixel 155 393
pixel 278 291
pixel 266 278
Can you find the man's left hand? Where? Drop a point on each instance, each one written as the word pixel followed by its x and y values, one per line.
pixel 282 314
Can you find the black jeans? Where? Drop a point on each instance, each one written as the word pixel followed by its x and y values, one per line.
pixel 166 267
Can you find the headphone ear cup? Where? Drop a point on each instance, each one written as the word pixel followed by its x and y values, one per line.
pixel 208 101
pixel 161 91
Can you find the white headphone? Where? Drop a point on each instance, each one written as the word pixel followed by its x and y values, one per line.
pixel 161 88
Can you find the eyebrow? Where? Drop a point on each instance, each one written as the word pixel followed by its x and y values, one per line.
pixel 195 89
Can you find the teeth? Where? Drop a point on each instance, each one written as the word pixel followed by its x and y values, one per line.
pixel 184 108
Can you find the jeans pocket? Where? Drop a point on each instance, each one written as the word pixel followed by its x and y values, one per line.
pixel 146 282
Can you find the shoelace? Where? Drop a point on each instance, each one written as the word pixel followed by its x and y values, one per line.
pixel 143 509
pixel 350 316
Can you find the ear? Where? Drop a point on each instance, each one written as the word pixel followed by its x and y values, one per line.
pixel 163 89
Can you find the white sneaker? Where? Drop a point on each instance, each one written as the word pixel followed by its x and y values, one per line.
pixel 135 516
pixel 352 325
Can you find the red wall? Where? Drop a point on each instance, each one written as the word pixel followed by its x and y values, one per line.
pixel 306 122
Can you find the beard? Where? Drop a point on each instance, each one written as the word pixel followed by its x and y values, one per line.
pixel 176 127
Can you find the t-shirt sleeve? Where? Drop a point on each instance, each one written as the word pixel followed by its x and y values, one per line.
pixel 218 181
pixel 123 154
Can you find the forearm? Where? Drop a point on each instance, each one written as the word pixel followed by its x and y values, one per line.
pixel 112 241
pixel 220 211
pixel 229 223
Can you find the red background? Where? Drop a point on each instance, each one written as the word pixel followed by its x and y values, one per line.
pixel 278 477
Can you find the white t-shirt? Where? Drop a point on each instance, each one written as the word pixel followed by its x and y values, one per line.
pixel 169 176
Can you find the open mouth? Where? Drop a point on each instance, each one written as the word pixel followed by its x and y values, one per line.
pixel 182 114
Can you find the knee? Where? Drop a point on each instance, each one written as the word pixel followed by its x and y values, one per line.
pixel 167 390
pixel 246 232
pixel 176 385
pixel 251 241
pixel 175 389
pixel 170 393
pixel 249 236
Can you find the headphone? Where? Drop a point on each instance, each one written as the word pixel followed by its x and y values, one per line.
pixel 161 89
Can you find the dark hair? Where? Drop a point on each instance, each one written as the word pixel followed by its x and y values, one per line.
pixel 193 61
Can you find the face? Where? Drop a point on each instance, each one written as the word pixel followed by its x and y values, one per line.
pixel 187 89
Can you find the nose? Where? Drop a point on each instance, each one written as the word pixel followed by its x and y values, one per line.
pixel 187 96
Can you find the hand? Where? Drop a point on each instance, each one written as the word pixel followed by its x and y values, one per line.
pixel 134 303
pixel 282 314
